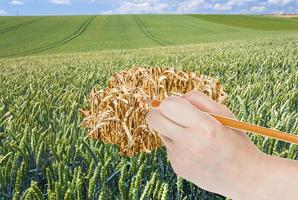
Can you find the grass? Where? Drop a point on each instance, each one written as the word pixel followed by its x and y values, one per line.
pixel 43 33
pixel 43 152
pixel 20 36
pixel 255 22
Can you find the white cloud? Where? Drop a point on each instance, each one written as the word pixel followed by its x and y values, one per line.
pixel 242 11
pixel 279 2
pixel 225 6
pixel 16 2
pixel 61 2
pixel 242 2
pixel 192 5
pixel 142 7
pixel 2 12
pixel 258 9
pixel 107 12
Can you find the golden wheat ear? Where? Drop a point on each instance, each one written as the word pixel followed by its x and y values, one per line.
pixel 117 114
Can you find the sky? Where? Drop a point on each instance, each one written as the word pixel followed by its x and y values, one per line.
pixel 103 7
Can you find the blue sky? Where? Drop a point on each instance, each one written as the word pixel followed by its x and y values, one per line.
pixel 77 7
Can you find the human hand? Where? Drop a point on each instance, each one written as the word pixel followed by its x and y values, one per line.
pixel 203 151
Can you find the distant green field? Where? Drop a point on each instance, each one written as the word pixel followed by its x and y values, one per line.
pixel 35 35
pixel 254 22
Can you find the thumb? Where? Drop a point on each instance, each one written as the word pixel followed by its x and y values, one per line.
pixel 207 104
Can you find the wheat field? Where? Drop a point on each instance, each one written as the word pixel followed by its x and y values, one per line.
pixel 31 35
pixel 45 154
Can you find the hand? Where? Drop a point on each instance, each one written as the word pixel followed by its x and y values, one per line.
pixel 203 151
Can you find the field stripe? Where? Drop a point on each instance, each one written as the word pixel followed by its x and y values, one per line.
pixel 5 30
pixel 76 34
pixel 250 22
pixel 149 35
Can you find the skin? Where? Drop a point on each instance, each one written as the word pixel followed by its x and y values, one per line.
pixel 216 158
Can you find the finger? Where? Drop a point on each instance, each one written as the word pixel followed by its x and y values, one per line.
pixel 207 104
pixel 174 161
pixel 167 141
pixel 162 125
pixel 183 112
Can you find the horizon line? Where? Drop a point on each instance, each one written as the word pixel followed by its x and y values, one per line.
pixel 18 15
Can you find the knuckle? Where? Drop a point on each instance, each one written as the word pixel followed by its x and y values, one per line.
pixel 206 130
pixel 212 131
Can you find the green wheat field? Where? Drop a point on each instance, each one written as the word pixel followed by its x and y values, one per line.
pixel 48 66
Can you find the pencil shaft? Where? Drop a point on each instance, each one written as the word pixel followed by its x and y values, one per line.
pixel 231 123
